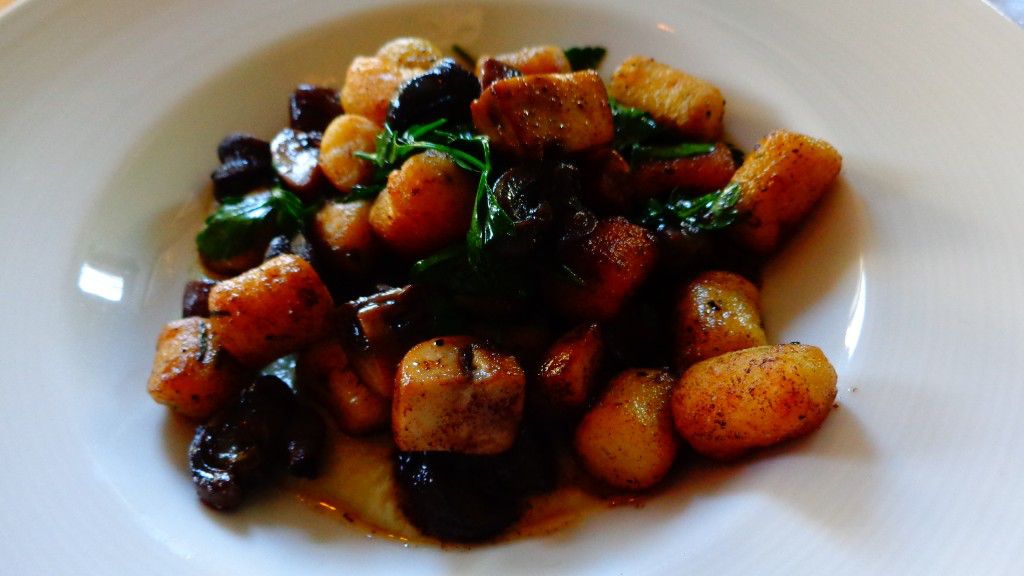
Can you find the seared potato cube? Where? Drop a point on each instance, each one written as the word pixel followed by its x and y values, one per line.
pixel 346 135
pixel 532 60
pixel 531 115
pixel 729 404
pixel 343 237
pixel 613 261
pixel 191 372
pixel 693 107
pixel 425 206
pixel 324 370
pixel 567 375
pixel 274 309
pixel 410 52
pixel 455 395
pixel 780 182
pixel 627 440
pixel 717 312
pixel 370 84
pixel 702 173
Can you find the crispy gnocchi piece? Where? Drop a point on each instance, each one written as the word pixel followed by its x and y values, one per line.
pixel 454 395
pixel 274 309
pixel 568 373
pixel 533 115
pixel 343 237
pixel 531 60
pixel 410 52
pixel 753 398
pixel 692 106
pixel 324 370
pixel 612 261
pixel 192 374
pixel 370 84
pixel 717 312
pixel 425 206
pixel 627 439
pixel 346 135
pixel 780 182
pixel 702 173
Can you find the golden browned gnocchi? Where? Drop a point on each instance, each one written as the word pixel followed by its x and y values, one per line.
pixel 192 373
pixel 425 205
pixel 274 309
pixel 346 135
pixel 717 312
pixel 342 234
pixel 410 52
pixel 627 439
pixel 753 398
pixel 370 84
pixel 611 262
pixel 692 106
pixel 568 374
pixel 780 182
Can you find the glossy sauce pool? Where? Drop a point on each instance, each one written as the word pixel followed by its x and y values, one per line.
pixel 357 485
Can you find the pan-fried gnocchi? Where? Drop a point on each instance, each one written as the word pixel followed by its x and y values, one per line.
pixel 477 281
pixel 753 398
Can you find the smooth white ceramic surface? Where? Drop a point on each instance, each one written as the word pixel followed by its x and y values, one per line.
pixel 907 276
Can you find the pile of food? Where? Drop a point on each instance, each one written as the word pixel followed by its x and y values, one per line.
pixel 508 272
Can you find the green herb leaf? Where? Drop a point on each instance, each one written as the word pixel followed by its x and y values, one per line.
pixel 490 222
pixel 464 54
pixel 241 221
pixel 585 57
pixel 438 265
pixel 633 126
pixel 393 149
pixel 638 137
pixel 670 152
pixel 713 211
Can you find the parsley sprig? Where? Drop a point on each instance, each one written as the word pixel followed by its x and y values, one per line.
pixel 713 211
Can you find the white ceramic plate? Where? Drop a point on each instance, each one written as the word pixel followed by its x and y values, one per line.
pixel 908 277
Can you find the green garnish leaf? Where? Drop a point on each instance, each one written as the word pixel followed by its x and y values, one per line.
pixel 671 151
pixel 638 137
pixel 707 213
pixel 585 57
pixel 464 54
pixel 392 149
pixel 242 221
pixel 439 264
pixel 633 126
